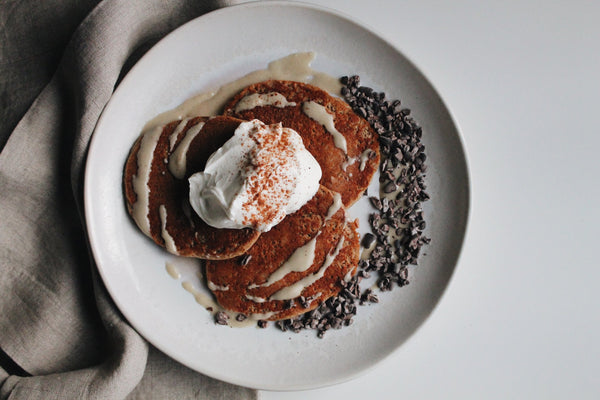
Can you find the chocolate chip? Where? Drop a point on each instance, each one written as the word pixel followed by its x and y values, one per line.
pixel 241 317
pixel 402 170
pixel 221 318
pixel 368 240
pixel 304 302
pixel 245 259
pixel 390 187
pixel 262 323
pixel 375 202
pixel 281 325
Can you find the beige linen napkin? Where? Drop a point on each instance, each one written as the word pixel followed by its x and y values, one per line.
pixel 61 337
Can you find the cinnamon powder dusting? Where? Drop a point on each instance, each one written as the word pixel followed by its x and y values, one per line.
pixel 270 175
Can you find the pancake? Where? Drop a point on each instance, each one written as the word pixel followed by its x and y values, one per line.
pixel 344 144
pixel 156 188
pixel 292 268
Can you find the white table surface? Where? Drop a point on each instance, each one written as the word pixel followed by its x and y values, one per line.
pixel 520 318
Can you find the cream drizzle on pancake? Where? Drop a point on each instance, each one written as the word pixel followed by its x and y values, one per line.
pixel 140 179
pixel 272 99
pixel 319 113
pixel 303 257
pixel 213 286
pixel 255 299
pixel 363 158
pixel 169 242
pixel 178 159
pixel 175 135
pixel 348 276
pixel 335 206
pixel 297 288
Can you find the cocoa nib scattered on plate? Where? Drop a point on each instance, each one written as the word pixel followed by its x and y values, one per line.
pixel 397 223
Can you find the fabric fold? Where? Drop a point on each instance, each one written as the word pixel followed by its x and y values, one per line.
pixel 58 322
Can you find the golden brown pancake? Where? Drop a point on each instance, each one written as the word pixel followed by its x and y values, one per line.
pixel 251 288
pixel 179 229
pixel 347 173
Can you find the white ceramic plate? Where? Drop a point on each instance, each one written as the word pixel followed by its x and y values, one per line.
pixel 204 54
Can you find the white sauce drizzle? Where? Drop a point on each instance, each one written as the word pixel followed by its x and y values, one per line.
pixel 176 132
pixel 348 162
pixel 294 67
pixel 258 316
pixel 335 206
pixel 212 286
pixel 178 159
pixel 319 113
pixel 297 288
pixel 140 179
pixel 169 242
pixel 254 100
pixel 363 158
pixel 301 259
pixel 201 298
pixel 348 276
pixel 255 299
pixel 173 271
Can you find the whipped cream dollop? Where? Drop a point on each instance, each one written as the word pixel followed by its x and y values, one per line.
pixel 255 179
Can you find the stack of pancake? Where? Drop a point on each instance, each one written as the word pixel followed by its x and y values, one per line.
pixel 300 262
